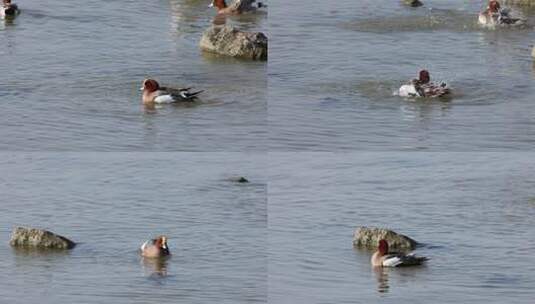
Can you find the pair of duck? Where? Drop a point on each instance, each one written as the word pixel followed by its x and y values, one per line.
pixel 495 15
pixel 157 248
pixel 237 7
pixel 8 9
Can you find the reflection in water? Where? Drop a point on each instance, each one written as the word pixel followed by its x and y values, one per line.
pixel 155 267
pixel 220 19
pixel 31 252
pixel 381 274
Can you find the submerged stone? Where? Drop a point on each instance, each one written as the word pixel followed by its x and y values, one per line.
pixel 369 237
pixel 38 238
pixel 413 3
pixel 229 41
pixel 239 179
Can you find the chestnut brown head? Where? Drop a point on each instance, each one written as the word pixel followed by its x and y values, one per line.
pixel 220 4
pixel 150 85
pixel 494 6
pixel 383 247
pixel 424 76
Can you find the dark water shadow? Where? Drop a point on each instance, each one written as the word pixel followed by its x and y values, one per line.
pixel 381 275
pixel 33 252
pixel 214 58
pixel 155 268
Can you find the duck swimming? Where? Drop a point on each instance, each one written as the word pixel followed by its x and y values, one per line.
pixel 236 8
pixel 155 248
pixel 153 93
pixel 495 15
pixel 9 9
pixel 423 87
pixel 383 258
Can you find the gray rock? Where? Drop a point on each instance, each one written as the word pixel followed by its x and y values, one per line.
pixel 413 3
pixel 369 237
pixel 229 41
pixel 38 238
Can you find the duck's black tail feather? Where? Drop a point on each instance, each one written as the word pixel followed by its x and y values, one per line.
pixel 412 260
pixel 193 94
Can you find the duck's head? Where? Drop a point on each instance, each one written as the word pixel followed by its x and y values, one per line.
pixel 494 6
pixel 149 85
pixel 383 247
pixel 424 76
pixel 220 4
pixel 161 242
pixel 7 2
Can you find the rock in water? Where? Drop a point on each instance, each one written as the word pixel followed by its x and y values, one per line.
pixel 413 3
pixel 229 41
pixel 38 238
pixel 369 237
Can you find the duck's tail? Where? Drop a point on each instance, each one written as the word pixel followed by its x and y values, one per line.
pixel 191 95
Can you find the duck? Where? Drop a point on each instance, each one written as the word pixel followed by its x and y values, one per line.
pixel 383 258
pixel 495 15
pixel 155 248
pixel 423 87
pixel 153 93
pixel 236 8
pixel 9 9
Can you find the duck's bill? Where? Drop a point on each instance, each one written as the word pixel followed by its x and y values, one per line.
pixel 142 88
pixel 211 4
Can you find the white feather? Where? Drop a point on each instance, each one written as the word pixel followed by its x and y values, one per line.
pixel 408 90
pixel 144 245
pixel 164 99
pixel 392 262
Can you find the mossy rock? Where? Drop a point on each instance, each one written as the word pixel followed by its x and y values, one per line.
pixel 39 238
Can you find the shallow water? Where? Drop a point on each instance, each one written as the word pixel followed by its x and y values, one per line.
pixel 71 74
pixel 474 214
pixel 334 67
pixel 110 203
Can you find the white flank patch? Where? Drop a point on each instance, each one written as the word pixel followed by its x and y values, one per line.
pixel 408 90
pixel 164 99
pixel 392 262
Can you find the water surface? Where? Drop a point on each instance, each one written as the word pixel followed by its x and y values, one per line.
pixel 111 203
pixel 474 214
pixel 335 64
pixel 71 74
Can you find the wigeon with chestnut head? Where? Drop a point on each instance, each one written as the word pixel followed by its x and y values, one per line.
pixel 423 87
pixel 9 9
pixel 495 15
pixel 153 93
pixel 237 7
pixel 384 258
pixel 155 248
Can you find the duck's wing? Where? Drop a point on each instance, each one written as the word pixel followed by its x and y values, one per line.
pixel 433 90
pixel 242 5
pixel 398 260
pixel 169 95
pixel 409 90
pixel 146 244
